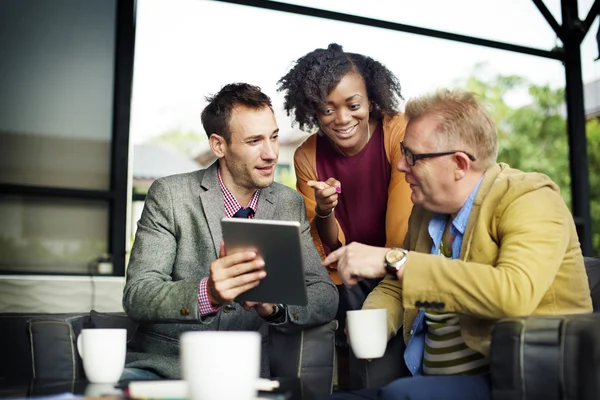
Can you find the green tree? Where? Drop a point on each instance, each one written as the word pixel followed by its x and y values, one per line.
pixel 593 153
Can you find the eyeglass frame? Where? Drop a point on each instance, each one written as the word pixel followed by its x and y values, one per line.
pixel 422 156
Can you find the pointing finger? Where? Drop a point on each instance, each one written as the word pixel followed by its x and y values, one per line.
pixel 333 256
pixel 317 185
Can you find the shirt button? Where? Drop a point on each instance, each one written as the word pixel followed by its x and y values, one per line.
pixel 412 331
pixel 228 308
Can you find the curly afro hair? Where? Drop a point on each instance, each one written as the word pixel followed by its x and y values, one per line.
pixel 317 73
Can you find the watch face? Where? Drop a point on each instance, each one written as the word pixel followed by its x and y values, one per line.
pixel 393 256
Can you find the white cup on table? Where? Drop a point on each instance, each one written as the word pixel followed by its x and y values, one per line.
pixel 367 331
pixel 103 353
pixel 219 365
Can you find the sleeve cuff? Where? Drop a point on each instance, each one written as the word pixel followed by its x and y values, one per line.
pixel 204 305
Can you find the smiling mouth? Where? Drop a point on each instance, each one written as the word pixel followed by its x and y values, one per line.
pixel 268 168
pixel 344 132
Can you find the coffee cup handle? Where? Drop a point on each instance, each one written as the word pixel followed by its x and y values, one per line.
pixel 80 345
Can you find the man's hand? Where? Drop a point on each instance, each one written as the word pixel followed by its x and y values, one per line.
pixel 232 275
pixel 326 194
pixel 263 309
pixel 356 261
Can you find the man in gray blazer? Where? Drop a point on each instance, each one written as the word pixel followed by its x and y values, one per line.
pixel 179 276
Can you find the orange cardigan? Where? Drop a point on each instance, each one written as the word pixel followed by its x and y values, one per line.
pixel 399 204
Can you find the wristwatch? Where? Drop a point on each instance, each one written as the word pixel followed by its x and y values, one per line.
pixel 278 314
pixel 394 260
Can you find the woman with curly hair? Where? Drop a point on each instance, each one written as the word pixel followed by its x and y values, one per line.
pixel 346 171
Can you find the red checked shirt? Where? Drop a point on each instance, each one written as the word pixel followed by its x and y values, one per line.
pixel 231 207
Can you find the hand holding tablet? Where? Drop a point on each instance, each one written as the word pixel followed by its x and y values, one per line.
pixel 278 244
pixel 233 274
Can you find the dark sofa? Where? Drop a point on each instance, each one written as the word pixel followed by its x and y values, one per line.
pixel 42 346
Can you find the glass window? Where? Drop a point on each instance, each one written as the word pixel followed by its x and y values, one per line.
pixel 50 234
pixel 56 80
pixel 65 80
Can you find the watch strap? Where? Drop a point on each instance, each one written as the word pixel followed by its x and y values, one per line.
pixel 278 314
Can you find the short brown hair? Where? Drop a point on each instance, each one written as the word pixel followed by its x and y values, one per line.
pixel 215 116
pixel 462 121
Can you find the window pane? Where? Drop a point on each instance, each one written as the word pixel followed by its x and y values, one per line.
pixel 51 235
pixel 56 80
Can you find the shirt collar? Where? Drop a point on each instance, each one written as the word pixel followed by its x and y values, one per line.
pixel 230 202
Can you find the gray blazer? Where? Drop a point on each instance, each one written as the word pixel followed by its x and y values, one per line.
pixel 178 236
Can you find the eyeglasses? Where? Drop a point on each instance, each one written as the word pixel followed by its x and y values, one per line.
pixel 412 158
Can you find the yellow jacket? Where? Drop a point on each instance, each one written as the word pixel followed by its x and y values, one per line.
pixel 520 256
pixel 399 203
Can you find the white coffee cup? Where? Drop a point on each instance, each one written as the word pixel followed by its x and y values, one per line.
pixel 367 331
pixel 103 354
pixel 221 364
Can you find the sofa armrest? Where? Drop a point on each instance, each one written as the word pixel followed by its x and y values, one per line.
pixel 544 356
pixel 379 371
pixel 308 354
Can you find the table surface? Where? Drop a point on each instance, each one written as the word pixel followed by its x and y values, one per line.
pixel 289 389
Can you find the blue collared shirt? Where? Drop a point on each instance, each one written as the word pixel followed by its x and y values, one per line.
pixel 413 355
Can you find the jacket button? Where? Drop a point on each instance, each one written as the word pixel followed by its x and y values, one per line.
pixel 182 312
pixel 296 316
pixel 228 308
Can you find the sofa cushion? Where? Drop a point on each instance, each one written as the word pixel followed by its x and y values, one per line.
pixel 310 355
pixel 54 347
pixel 112 321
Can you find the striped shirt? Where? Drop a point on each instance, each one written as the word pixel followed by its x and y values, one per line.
pixel 446 352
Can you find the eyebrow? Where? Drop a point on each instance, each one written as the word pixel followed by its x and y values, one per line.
pixel 349 98
pixel 254 137
pixel 353 96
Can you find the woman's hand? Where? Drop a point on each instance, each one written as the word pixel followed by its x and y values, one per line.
pixel 326 195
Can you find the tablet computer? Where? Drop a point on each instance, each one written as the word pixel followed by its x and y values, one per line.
pixel 279 244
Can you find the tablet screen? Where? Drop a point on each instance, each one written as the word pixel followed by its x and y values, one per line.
pixel 279 244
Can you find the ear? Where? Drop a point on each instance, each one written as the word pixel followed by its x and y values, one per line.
pixel 463 165
pixel 218 145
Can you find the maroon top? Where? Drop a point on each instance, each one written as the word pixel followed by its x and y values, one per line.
pixel 365 178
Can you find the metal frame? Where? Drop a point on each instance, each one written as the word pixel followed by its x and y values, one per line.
pixel 116 196
pixel 571 33
pixel 124 56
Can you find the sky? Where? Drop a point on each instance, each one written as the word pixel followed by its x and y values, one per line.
pixel 188 49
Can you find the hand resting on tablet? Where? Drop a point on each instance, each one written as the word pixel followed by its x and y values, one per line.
pixel 234 274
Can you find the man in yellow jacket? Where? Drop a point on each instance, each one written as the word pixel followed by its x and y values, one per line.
pixel 484 242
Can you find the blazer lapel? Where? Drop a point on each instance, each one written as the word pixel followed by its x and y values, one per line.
pixel 211 199
pixel 266 204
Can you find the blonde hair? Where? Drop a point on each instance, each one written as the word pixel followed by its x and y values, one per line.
pixel 463 123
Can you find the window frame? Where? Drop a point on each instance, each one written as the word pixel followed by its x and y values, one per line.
pixel 117 194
